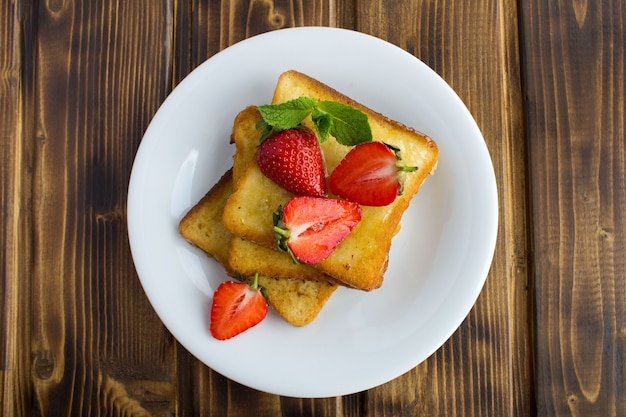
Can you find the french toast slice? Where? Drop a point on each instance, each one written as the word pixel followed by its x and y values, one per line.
pixel 360 260
pixel 245 256
pixel 202 224
pixel 298 301
pixel 248 258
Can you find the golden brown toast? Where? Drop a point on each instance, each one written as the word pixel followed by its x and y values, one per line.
pixel 245 256
pixel 246 138
pixel 298 301
pixel 202 225
pixel 360 260
pixel 248 258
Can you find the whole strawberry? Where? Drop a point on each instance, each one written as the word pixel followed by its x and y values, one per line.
pixel 292 159
pixel 371 174
pixel 310 228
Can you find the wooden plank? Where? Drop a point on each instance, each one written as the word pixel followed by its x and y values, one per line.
pixel 484 368
pixel 97 345
pixel 575 61
pixel 14 200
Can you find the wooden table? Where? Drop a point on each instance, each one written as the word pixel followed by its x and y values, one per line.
pixel 81 80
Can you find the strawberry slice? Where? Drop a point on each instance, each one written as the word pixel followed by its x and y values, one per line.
pixel 236 307
pixel 310 228
pixel 292 159
pixel 370 174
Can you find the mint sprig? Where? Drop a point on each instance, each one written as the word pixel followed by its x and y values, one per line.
pixel 348 125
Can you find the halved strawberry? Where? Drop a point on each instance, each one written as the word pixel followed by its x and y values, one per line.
pixel 370 174
pixel 236 307
pixel 292 158
pixel 310 228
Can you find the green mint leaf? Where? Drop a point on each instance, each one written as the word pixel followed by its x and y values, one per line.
pixel 349 126
pixel 265 130
pixel 323 123
pixel 283 116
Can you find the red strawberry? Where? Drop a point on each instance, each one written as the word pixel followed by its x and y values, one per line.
pixel 236 307
pixel 370 174
pixel 310 228
pixel 292 159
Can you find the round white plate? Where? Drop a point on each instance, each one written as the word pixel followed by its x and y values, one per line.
pixel 438 261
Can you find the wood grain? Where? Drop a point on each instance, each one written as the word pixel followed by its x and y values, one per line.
pixel 94 335
pixel 88 70
pixel 79 83
pixel 574 77
pixel 216 25
pixel 14 200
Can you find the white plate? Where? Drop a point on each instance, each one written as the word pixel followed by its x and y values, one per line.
pixel 438 261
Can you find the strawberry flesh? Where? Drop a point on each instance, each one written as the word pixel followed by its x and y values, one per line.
pixel 314 226
pixel 369 175
pixel 236 307
pixel 292 159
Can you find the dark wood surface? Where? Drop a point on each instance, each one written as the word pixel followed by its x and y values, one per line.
pixel 81 80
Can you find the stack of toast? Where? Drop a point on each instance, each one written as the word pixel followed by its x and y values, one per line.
pixel 233 222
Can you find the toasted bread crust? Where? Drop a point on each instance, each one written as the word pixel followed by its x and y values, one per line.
pixel 297 301
pixel 249 258
pixel 293 84
pixel 246 138
pixel 202 225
